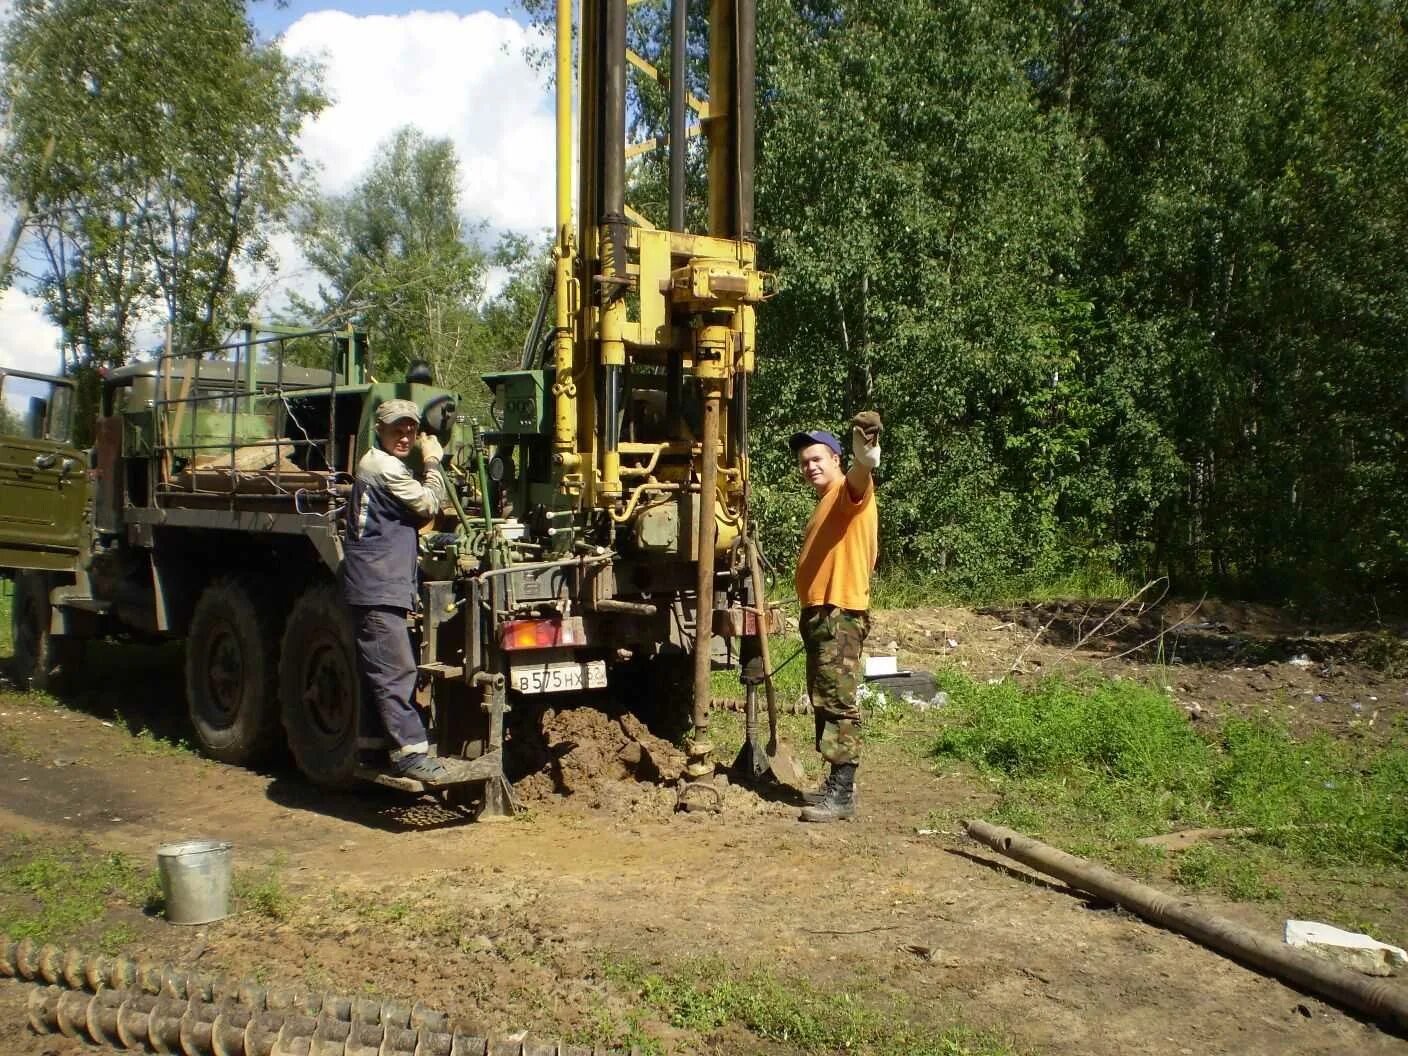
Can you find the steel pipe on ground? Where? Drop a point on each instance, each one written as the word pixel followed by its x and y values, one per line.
pixel 1380 1000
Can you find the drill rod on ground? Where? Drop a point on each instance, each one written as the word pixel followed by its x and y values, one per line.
pixel 1380 1000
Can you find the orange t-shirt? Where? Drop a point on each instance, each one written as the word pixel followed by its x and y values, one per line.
pixel 838 553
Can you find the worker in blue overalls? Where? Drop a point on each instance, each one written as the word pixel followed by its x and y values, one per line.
pixel 379 564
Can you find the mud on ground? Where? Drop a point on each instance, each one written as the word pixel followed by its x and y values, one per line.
pixel 516 924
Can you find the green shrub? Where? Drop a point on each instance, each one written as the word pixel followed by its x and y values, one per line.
pixel 1124 760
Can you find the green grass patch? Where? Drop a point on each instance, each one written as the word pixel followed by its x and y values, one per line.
pixel 1094 764
pixel 1224 868
pixel 708 996
pixel 7 594
pixel 145 741
pixel 49 891
pixel 262 892
pixel 117 938
pixel 790 678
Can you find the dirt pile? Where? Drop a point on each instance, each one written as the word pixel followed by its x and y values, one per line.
pixel 580 750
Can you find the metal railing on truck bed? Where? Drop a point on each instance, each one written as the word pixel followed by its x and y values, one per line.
pixel 227 430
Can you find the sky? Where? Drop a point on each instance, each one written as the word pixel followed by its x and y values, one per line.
pixel 455 69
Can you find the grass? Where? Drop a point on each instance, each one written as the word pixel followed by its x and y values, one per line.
pixel 116 939
pixel 262 892
pixel 706 997
pixel 7 642
pixel 144 741
pixel 51 890
pixel 789 678
pixel 424 914
pixel 1093 764
pixel 11 743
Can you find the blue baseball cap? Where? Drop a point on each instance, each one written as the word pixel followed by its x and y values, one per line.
pixel 797 441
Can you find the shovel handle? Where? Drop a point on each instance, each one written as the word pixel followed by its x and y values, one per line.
pixel 755 567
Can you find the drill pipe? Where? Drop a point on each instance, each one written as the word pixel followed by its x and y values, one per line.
pixel 93 972
pixel 138 1021
pixel 1380 1000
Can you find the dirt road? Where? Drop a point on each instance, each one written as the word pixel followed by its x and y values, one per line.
pixel 516 923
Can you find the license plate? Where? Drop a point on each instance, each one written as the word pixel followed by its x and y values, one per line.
pixel 557 678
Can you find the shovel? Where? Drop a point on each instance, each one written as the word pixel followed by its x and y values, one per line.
pixel 755 759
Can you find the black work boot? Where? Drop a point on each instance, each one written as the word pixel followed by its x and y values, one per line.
pixel 819 794
pixel 840 800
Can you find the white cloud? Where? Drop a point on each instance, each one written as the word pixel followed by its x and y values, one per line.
pixel 457 76
pixel 463 77
pixel 28 340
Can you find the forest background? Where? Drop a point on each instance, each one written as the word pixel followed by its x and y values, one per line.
pixel 1128 281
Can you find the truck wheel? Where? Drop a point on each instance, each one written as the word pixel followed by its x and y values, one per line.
pixel 231 674
pixel 319 691
pixel 41 661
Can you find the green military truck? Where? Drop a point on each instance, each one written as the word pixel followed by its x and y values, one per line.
pixel 210 509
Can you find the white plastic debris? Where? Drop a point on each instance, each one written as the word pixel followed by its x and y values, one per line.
pixel 918 703
pixel 868 696
pixel 1301 661
pixel 881 665
pixel 1348 949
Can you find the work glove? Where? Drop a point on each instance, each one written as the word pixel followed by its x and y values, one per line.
pixel 430 449
pixel 865 439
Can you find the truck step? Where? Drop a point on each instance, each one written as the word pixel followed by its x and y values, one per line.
pixel 97 605
pixel 462 772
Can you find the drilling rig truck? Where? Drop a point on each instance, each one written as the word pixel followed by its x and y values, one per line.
pixel 597 527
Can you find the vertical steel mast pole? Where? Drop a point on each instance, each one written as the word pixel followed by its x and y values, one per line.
pixel 715 343
pixel 611 242
pixel 564 385
pixel 678 80
pixel 679 153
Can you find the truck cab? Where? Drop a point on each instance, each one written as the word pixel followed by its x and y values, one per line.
pixel 44 516
pixel 43 477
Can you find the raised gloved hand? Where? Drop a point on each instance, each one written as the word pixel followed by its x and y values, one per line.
pixel 865 438
pixel 430 449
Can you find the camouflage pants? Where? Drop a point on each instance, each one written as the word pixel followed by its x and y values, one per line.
pixel 834 638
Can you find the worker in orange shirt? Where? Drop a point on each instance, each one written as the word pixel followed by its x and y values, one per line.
pixel 833 586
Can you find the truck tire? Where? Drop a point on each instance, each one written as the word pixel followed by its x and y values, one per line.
pixel 232 673
pixel 320 692
pixel 43 661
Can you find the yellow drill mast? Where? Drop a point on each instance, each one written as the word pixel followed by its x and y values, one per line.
pixel 638 301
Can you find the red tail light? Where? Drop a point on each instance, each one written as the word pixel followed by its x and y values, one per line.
pixel 542 634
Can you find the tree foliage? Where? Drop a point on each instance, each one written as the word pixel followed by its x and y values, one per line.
pixel 1129 281
pixel 401 260
pixel 174 159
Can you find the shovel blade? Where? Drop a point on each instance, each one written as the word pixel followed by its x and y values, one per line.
pixel 756 762
pixel 784 766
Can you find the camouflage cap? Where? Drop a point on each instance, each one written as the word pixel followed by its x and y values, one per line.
pixel 396 410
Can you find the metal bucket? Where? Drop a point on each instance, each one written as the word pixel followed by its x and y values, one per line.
pixel 195 880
